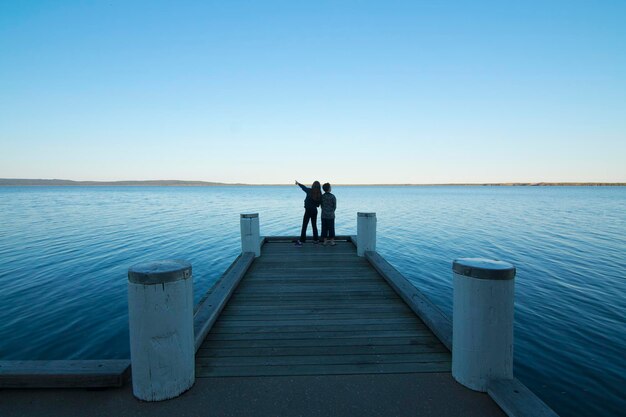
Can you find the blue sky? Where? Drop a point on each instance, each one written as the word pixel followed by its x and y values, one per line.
pixel 351 92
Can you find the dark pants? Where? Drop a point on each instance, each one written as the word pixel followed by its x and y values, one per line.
pixel 328 228
pixel 309 214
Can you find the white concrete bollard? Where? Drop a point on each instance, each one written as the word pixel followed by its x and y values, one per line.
pixel 250 234
pixel 366 233
pixel 160 313
pixel 482 323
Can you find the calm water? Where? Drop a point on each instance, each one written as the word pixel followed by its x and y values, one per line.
pixel 64 253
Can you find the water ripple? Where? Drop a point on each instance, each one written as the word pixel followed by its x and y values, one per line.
pixel 64 253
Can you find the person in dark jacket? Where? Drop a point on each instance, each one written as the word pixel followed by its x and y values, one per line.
pixel 329 204
pixel 311 203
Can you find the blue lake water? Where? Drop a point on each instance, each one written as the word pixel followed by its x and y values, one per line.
pixel 65 251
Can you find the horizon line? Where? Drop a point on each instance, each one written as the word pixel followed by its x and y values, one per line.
pixel 198 183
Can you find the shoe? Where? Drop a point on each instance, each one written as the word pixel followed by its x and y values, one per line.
pixel 298 244
pixel 316 242
pixel 332 242
pixel 325 242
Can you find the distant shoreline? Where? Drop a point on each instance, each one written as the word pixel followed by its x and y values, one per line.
pixel 178 183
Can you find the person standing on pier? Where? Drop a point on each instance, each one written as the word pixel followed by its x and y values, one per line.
pixel 329 204
pixel 311 203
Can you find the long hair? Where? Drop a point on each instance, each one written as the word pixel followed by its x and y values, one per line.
pixel 316 192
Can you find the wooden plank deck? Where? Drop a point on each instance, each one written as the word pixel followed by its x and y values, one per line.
pixel 317 310
pixel 64 373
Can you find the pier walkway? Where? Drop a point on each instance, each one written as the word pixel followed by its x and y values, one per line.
pixel 317 310
pixel 309 331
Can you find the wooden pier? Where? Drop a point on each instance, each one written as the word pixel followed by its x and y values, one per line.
pixel 312 330
pixel 317 310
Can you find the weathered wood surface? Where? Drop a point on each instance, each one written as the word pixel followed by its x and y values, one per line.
pixel 64 373
pixel 316 310
pixel 275 239
pixel 214 301
pixel 434 318
pixel 516 400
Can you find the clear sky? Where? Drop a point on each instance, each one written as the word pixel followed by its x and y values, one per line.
pixel 342 91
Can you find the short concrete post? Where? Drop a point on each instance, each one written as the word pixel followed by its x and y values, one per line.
pixel 366 233
pixel 160 313
pixel 482 324
pixel 250 234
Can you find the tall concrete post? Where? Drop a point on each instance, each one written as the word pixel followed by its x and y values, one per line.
pixel 250 234
pixel 366 233
pixel 482 324
pixel 160 313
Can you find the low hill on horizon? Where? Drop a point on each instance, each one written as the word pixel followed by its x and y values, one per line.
pixel 25 182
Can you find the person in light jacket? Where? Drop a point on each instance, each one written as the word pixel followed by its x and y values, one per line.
pixel 329 204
